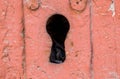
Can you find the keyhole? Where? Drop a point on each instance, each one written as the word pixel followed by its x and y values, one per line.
pixel 57 27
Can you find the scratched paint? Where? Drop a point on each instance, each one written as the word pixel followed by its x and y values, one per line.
pixel 113 75
pixel 112 8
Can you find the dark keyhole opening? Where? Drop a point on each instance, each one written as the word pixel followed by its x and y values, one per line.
pixel 57 27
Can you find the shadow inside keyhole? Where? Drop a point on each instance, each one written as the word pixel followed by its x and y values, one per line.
pixel 57 27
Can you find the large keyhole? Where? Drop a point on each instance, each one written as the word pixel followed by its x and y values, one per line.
pixel 57 27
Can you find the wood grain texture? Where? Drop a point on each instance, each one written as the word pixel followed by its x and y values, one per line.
pixel 11 41
pixel 38 42
pixel 92 45
pixel 106 39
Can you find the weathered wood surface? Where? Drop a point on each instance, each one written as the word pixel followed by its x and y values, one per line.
pixel 11 40
pixel 92 44
pixel 38 42
pixel 106 39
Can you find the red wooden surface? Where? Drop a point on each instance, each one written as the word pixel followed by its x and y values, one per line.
pixel 11 41
pixel 38 43
pixel 106 39
pixel 92 44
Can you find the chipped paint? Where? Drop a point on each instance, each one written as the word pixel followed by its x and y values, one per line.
pixel 32 4
pixel 113 75
pixel 112 8
pixel 49 7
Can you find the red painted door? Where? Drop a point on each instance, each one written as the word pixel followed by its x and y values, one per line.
pixel 92 44
pixel 106 39
pixel 38 42
pixel 11 39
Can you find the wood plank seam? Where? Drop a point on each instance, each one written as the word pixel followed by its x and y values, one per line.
pixel 24 47
pixel 91 41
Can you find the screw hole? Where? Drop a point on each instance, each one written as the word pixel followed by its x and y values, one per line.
pixel 57 27
pixel 77 2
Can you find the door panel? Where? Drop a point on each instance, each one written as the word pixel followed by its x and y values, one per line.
pixel 38 42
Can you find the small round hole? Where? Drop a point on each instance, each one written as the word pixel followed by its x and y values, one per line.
pixel 77 2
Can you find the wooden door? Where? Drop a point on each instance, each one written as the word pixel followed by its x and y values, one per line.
pixel 38 42
pixel 92 45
